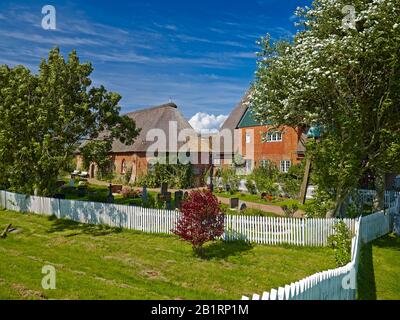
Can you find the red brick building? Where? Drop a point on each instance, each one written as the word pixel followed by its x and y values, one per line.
pixel 257 143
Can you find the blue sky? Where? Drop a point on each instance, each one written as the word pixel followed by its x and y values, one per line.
pixel 200 54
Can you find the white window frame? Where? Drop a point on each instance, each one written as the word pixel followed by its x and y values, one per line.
pixel 274 136
pixel 285 165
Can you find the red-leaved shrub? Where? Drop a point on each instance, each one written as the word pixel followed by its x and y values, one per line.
pixel 201 220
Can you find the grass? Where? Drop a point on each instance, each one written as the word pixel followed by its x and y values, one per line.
pixel 98 262
pixel 257 199
pixel 379 271
pixel 247 212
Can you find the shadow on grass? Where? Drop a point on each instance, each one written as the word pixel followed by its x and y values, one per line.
pixel 390 241
pixel 366 275
pixel 61 225
pixel 222 249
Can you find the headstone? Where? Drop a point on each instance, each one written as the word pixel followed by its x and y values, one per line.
pixel 165 198
pixel 110 197
pixel 144 194
pixel 81 192
pixel 234 203
pixel 164 188
pixel 178 199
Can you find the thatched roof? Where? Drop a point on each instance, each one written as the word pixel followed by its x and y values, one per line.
pixel 157 117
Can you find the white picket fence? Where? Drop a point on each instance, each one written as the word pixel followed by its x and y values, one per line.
pixel 262 230
pixel 276 230
pixel 367 197
pixel 339 283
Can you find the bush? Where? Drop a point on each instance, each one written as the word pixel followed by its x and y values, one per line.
pixel 201 220
pixel 340 242
pixel 319 206
pixel 250 185
pixel 291 181
pixel 290 210
pixel 177 176
pixel 265 179
pixel 126 192
pixel 230 178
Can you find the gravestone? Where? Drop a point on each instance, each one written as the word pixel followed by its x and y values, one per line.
pixel 234 203
pixel 178 199
pixel 110 197
pixel 81 191
pixel 164 188
pixel 144 194
pixel 165 198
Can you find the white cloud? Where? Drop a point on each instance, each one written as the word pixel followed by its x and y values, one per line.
pixel 207 123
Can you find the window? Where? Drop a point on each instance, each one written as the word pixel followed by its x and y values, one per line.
pixel 123 167
pixel 248 137
pixel 273 136
pixel 285 165
pixel 264 163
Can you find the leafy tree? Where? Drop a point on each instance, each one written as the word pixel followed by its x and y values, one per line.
pixel 345 80
pixel 97 152
pixel 45 117
pixel 291 181
pixel 201 220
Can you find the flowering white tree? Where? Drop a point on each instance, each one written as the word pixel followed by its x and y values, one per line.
pixel 346 80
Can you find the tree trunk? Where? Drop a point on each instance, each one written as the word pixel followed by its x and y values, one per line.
pixel 380 186
pixel 339 205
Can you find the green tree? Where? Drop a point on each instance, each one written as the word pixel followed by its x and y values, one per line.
pixel 45 117
pixel 97 152
pixel 345 80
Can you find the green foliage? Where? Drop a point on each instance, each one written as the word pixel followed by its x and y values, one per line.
pixel 320 206
pixel 97 152
pixel 290 210
pixel 340 242
pixel 229 177
pixel 291 181
pixel 265 179
pixel 44 117
pixel 177 176
pixel 250 185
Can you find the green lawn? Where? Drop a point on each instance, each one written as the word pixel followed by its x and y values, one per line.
pixel 257 199
pixel 97 262
pixel 379 271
